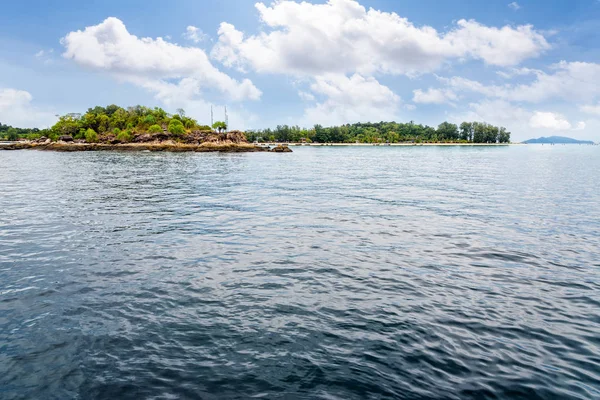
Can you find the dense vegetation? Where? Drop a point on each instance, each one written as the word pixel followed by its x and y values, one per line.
pixel 111 121
pixel 382 132
pixel 10 133
pixel 115 122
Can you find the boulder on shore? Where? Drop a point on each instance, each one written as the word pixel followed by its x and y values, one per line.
pixel 281 149
pixel 65 138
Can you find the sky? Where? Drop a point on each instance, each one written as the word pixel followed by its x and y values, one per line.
pixel 531 66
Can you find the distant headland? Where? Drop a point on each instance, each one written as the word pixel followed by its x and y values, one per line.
pixel 144 128
pixel 557 140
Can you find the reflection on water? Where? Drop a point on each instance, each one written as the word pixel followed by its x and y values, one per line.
pixel 334 273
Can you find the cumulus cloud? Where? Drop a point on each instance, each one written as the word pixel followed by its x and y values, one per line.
pixel 341 36
pixel 434 96
pixel 549 120
pixel 351 99
pixel 195 34
pixel 514 5
pixel 151 63
pixel 16 109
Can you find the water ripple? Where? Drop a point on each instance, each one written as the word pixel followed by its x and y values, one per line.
pixel 331 273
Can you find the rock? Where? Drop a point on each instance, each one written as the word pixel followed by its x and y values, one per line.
pixel 65 138
pixel 47 141
pixel 106 138
pixel 281 149
pixel 143 138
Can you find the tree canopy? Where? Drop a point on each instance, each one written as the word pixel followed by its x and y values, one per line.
pixel 124 123
pixel 382 132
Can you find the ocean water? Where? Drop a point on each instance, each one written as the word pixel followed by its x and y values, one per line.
pixel 327 273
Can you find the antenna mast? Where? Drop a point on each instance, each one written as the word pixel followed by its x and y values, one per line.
pixel 211 116
pixel 226 118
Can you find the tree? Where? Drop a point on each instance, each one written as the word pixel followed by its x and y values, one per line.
pixel 478 132
pixel 466 131
pixel 176 127
pixel 181 112
pixel 154 129
pixel 447 131
pixel 124 136
pixel 503 135
pixel 12 134
pixel 149 119
pixel 91 136
pixel 66 125
pixel 220 126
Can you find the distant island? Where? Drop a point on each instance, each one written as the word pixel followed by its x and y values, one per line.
pixel 145 128
pixel 557 140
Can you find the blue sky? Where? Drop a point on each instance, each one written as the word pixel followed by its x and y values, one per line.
pixel 532 66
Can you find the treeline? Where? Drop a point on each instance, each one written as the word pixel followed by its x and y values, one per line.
pixel 382 132
pixel 10 133
pixel 124 123
pixel 120 122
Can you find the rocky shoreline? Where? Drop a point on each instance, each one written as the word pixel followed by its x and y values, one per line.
pixel 157 146
pixel 196 141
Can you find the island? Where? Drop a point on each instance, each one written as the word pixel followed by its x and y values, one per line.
pixel 154 129
pixel 136 128
pixel 557 140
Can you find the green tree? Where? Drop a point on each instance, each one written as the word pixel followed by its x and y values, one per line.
pixel 503 135
pixel 447 131
pixel 66 125
pixel 155 129
pixel 220 126
pixel 176 127
pixel 91 136
pixel 12 134
pixel 149 119
pixel 466 131
pixel 124 136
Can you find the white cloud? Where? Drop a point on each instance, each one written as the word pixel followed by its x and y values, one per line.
pixel 341 36
pixel 571 81
pixel 591 109
pixel 514 5
pixel 497 112
pixel 523 123
pixel 151 63
pixel 46 56
pixel 16 110
pixel 549 120
pixel 306 96
pixel 434 96
pixel 351 99
pixel 195 34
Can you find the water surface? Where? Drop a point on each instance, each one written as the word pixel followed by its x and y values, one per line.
pixel 331 273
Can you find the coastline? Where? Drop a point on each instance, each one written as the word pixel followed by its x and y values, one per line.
pixel 152 147
pixel 396 144
pixel 229 147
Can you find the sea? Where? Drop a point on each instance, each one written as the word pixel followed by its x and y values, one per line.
pixel 421 272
